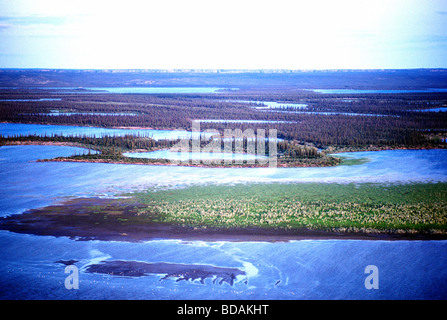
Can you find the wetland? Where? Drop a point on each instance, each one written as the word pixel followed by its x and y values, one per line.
pixel 360 179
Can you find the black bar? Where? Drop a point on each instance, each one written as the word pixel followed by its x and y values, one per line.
pixel 227 309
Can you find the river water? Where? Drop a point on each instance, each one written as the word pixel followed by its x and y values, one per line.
pixel 31 265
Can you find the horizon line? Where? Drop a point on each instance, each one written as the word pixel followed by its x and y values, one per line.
pixel 219 70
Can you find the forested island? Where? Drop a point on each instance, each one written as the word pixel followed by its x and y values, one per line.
pixel 309 124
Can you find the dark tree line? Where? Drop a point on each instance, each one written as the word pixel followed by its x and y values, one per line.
pixel 387 120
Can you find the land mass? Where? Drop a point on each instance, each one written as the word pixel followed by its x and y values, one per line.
pixel 311 126
pixel 110 150
pixel 260 213
pixel 227 78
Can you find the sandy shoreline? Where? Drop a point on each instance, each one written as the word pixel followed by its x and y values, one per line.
pixel 117 220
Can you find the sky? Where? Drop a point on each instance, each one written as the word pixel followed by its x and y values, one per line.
pixel 224 34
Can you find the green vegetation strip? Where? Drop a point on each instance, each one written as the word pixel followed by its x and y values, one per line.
pixel 367 208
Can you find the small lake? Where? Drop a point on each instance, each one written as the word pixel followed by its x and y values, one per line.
pixel 440 109
pixel 281 105
pixel 243 121
pixel 272 104
pixel 32 100
pixel 129 90
pixel 297 108
pixel 12 129
pixel 160 90
pixel 366 91
pixel 58 113
pixel 185 156
pixel 334 113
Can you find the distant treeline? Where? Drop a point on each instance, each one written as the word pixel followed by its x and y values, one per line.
pixel 388 120
pixel 243 79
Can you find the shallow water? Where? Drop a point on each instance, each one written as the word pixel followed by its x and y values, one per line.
pixel 243 121
pixel 154 90
pixel 28 100
pixel 362 91
pixel 144 90
pixel 272 104
pixel 317 269
pixel 184 156
pixel 296 108
pixel 310 269
pixel 11 129
pixel 27 184
pixel 335 113
pixel 58 113
pixel 440 109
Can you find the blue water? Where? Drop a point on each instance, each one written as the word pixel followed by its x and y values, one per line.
pixel 272 104
pixel 11 129
pixel 310 269
pixel 440 109
pixel 144 90
pixel 331 113
pixel 58 113
pixel 329 269
pixel 28 184
pixel 152 90
pixel 278 105
pixel 28 100
pixel 183 156
pixel 244 121
pixel 363 91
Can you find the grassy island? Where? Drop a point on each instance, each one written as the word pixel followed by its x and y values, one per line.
pixel 364 208
pixel 249 212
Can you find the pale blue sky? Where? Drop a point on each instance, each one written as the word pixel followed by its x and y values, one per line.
pixel 317 34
